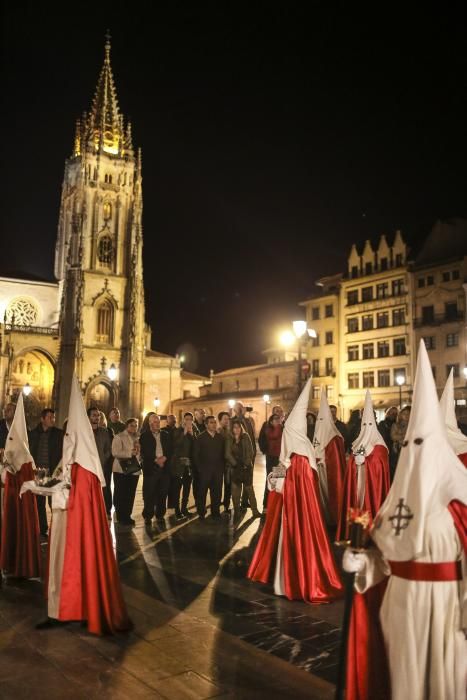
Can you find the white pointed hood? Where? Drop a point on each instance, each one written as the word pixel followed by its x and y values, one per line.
pixel 369 435
pixel 457 439
pixel 294 437
pixel 79 444
pixel 428 474
pixel 325 428
pixel 17 443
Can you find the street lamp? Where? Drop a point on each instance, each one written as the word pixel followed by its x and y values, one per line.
pixel 266 399
pixel 300 330
pixel 465 373
pixel 27 388
pixel 400 380
pixel 157 403
pixel 112 372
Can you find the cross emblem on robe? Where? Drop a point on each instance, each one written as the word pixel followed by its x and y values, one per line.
pixel 402 516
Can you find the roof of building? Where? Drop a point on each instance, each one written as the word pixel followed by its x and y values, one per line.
pixel 447 240
pixel 156 353
pixel 191 376
pixel 27 278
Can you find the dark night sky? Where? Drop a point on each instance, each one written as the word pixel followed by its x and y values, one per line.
pixel 273 137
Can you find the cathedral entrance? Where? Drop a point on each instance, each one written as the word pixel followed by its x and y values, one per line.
pixel 33 374
pixel 101 396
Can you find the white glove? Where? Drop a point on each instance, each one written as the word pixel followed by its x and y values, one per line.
pixel 353 562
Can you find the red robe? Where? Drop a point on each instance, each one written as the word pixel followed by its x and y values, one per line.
pixel 367 667
pixel 376 487
pixel 21 547
pixel 463 458
pixel 262 565
pixel 334 456
pixel 310 572
pixel 90 588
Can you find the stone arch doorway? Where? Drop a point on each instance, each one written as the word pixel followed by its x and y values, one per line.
pixel 34 367
pixel 101 395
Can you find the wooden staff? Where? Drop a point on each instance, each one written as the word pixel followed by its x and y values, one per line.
pixel 359 522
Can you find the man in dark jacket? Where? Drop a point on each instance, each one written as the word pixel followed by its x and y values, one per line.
pixel 156 452
pixel 5 424
pixel 199 425
pixel 209 459
pixel 45 446
pixel 103 440
pixel 341 427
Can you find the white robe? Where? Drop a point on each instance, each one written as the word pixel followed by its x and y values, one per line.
pixel 421 621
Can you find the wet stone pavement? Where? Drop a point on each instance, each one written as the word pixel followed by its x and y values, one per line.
pixel 201 629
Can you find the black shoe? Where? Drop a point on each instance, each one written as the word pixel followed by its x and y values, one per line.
pixel 148 521
pixel 49 623
pixel 185 512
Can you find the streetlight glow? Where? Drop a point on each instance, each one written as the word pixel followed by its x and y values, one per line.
pixel 312 333
pixel 286 339
pixel 299 328
pixel 157 402
pixel 266 398
pixel 231 403
pixel 27 388
pixel 400 379
pixel 465 373
pixel 112 372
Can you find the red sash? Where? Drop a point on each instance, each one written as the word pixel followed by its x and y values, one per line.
pixel 427 571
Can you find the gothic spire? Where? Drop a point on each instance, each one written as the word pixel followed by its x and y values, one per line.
pixel 105 123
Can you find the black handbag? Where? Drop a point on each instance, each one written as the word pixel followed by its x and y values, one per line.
pixel 130 465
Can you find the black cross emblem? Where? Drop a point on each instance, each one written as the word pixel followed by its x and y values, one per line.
pixel 400 519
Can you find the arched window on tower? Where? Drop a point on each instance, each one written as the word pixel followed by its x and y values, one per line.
pixel 105 320
pixel 105 251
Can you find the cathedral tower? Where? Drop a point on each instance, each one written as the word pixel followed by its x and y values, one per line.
pixel 98 259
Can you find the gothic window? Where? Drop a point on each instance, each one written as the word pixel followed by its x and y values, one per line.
pixel 105 250
pixel 22 312
pixel 107 211
pixel 105 314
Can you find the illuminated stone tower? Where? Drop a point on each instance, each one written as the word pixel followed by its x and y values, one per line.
pixel 98 259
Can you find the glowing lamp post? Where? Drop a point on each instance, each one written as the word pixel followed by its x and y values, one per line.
pixel 157 403
pixel 300 330
pixel 112 372
pixel 27 388
pixel 400 380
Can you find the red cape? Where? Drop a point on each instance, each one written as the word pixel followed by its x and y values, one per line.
pixel 376 487
pixel 91 588
pixel 367 667
pixel 334 455
pixel 463 458
pixel 21 547
pixel 262 565
pixel 310 572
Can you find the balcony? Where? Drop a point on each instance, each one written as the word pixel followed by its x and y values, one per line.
pixel 438 319
pixel 37 330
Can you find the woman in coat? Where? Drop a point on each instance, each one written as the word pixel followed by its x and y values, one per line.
pixel 125 445
pixel 239 456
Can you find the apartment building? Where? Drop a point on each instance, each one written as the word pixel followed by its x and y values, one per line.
pixel 322 352
pixel 375 322
pixel 439 290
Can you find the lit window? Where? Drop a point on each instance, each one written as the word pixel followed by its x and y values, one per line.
pixel 352 380
pixel 368 380
pixel 105 313
pixel 383 377
pixel 105 250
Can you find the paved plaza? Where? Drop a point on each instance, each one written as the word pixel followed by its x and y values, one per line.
pixel 201 629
